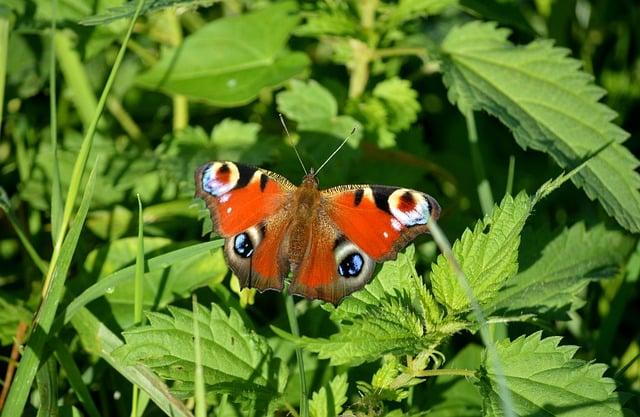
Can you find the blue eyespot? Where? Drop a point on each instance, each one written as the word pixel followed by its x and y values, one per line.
pixel 351 265
pixel 243 246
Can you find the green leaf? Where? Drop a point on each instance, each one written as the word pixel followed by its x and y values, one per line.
pixel 392 326
pixel 400 101
pixel 161 286
pixel 452 396
pixel 10 316
pixel 235 359
pixel 229 61
pixel 546 379
pixel 125 276
pixel 550 106
pixel 394 276
pixel 99 340
pixel 315 109
pixel 554 283
pixel 488 256
pixel 330 399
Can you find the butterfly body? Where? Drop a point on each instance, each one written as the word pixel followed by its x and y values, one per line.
pixel 329 239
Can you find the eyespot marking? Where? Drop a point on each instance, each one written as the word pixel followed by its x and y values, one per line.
pixel 242 245
pixel 409 207
pixel 351 265
pixel 219 178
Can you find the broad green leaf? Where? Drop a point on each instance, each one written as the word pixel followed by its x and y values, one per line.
pixel 11 314
pixel 545 379
pixel 392 326
pixel 401 102
pixel 234 136
pixel 314 108
pixel 488 256
pixel 554 283
pixel 394 276
pixel 99 340
pixel 161 286
pixel 550 106
pixel 235 359
pixel 229 61
pixel 330 399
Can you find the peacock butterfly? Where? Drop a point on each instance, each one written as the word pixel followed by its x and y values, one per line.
pixel 329 239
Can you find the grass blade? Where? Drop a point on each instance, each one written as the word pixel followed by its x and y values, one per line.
pixel 293 325
pixel 56 189
pixel 43 321
pixel 102 342
pixel 126 275
pixel 87 142
pixel 201 401
pixel 139 294
pixel 5 25
pixel 75 378
pixel 48 389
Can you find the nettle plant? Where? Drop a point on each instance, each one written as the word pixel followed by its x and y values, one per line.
pixel 386 349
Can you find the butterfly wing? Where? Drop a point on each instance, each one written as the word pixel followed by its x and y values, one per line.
pixel 356 227
pixel 248 209
pixel 380 219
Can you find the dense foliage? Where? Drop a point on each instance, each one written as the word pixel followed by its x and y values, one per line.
pixel 108 276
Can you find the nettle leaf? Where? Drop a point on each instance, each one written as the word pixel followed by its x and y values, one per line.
pixel 488 256
pixel 550 106
pixel 235 359
pixel 394 276
pixel 314 108
pixel 400 101
pixel 546 379
pixel 330 399
pixel 392 326
pixel 554 283
pixel 229 61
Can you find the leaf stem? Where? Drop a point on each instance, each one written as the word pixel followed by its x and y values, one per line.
pixel 484 188
pixel 445 247
pixel 5 28
pixel 293 325
pixel 445 372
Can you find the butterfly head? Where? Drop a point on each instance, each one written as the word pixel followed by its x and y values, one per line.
pixel 311 178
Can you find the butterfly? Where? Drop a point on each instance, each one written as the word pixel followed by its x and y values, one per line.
pixel 329 239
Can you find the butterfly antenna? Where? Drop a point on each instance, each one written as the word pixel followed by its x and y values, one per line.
pixel 337 149
pixel 292 144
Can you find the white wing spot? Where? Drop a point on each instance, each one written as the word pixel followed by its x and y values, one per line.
pixel 385 234
pixel 229 209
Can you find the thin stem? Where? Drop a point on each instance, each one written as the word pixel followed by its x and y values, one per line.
pixel 293 325
pixel 85 148
pixel 445 372
pixel 510 175
pixel 56 191
pixel 483 187
pixel 445 247
pixel 5 25
pixel 390 52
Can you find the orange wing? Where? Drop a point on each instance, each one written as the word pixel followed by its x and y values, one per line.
pixel 247 207
pixel 356 227
pixel 380 219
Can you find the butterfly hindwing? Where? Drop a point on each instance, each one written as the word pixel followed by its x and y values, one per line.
pixel 356 227
pixel 246 209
